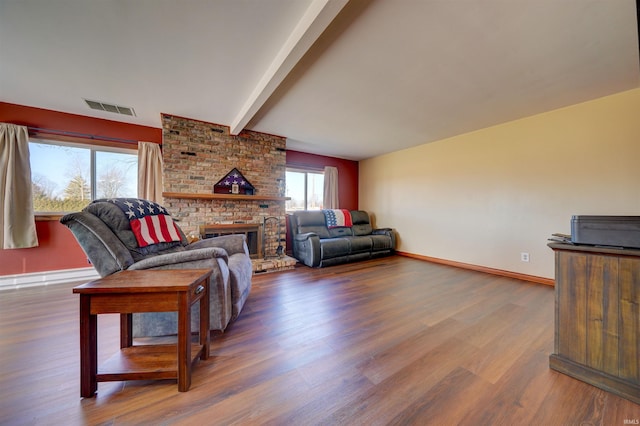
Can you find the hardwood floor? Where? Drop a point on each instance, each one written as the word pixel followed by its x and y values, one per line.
pixel 391 341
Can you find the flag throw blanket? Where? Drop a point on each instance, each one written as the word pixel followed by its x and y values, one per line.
pixel 336 218
pixel 150 222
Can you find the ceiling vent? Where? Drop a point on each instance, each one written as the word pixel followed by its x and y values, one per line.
pixel 117 109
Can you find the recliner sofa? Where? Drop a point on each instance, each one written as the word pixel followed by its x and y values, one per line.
pixel 317 244
pixel 105 234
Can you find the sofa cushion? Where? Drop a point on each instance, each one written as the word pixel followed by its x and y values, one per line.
pixel 116 220
pixel 360 244
pixel 312 221
pixel 342 231
pixel 361 224
pixel 334 247
pixel 149 221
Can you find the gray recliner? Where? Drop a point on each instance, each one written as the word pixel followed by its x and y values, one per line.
pixel 104 232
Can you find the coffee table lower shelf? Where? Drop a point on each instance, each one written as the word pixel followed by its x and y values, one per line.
pixel 144 362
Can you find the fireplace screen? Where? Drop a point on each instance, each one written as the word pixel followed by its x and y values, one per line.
pixel 252 231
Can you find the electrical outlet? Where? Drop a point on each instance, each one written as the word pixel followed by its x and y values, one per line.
pixel 524 257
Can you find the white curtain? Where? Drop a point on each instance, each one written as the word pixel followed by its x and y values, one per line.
pixel 330 199
pixel 150 172
pixel 17 221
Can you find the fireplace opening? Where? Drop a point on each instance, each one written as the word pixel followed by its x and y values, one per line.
pixel 252 232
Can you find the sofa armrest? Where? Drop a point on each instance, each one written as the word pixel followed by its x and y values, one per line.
pixel 103 248
pixel 232 244
pixel 382 231
pixel 166 323
pixel 306 248
pixel 386 231
pixel 186 259
pixel 305 237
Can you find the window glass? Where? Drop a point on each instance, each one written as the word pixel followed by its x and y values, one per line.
pixel 305 189
pixel 117 175
pixel 63 180
pixel 315 191
pixel 295 189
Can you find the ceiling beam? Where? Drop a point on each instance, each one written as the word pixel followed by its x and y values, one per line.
pixel 314 21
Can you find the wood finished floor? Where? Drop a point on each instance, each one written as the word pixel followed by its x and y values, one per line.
pixel 392 341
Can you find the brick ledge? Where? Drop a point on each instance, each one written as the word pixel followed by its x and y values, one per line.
pixel 261 266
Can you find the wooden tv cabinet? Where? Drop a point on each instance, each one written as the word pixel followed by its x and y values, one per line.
pixel 597 317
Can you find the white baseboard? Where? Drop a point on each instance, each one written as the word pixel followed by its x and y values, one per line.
pixel 34 279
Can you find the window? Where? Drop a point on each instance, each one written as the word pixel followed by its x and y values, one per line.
pixel 66 177
pixel 305 188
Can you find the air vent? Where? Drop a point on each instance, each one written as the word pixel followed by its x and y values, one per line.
pixel 117 109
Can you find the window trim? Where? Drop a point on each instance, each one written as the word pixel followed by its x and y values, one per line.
pixel 80 140
pixel 107 146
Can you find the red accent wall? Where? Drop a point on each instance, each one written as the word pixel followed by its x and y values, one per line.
pixel 48 119
pixel 58 248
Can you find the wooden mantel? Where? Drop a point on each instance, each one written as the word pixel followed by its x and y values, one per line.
pixel 189 196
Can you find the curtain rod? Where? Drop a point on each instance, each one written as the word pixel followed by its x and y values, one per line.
pixel 79 135
pixel 305 166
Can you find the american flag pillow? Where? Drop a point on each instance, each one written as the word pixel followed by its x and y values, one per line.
pixel 150 222
pixel 337 218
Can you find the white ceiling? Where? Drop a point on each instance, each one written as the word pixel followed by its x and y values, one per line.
pixel 351 81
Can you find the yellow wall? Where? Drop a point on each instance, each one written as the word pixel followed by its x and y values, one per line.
pixel 484 197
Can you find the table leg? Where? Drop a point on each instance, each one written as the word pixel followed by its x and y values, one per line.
pixel 126 331
pixel 88 348
pixel 205 338
pixel 184 342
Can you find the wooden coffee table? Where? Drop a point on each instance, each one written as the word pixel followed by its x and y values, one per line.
pixel 127 292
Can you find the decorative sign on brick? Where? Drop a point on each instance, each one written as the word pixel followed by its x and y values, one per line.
pixel 234 183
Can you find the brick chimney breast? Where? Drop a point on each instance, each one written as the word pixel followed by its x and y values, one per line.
pixel 198 154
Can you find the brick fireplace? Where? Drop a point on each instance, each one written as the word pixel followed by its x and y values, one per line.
pixel 198 154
